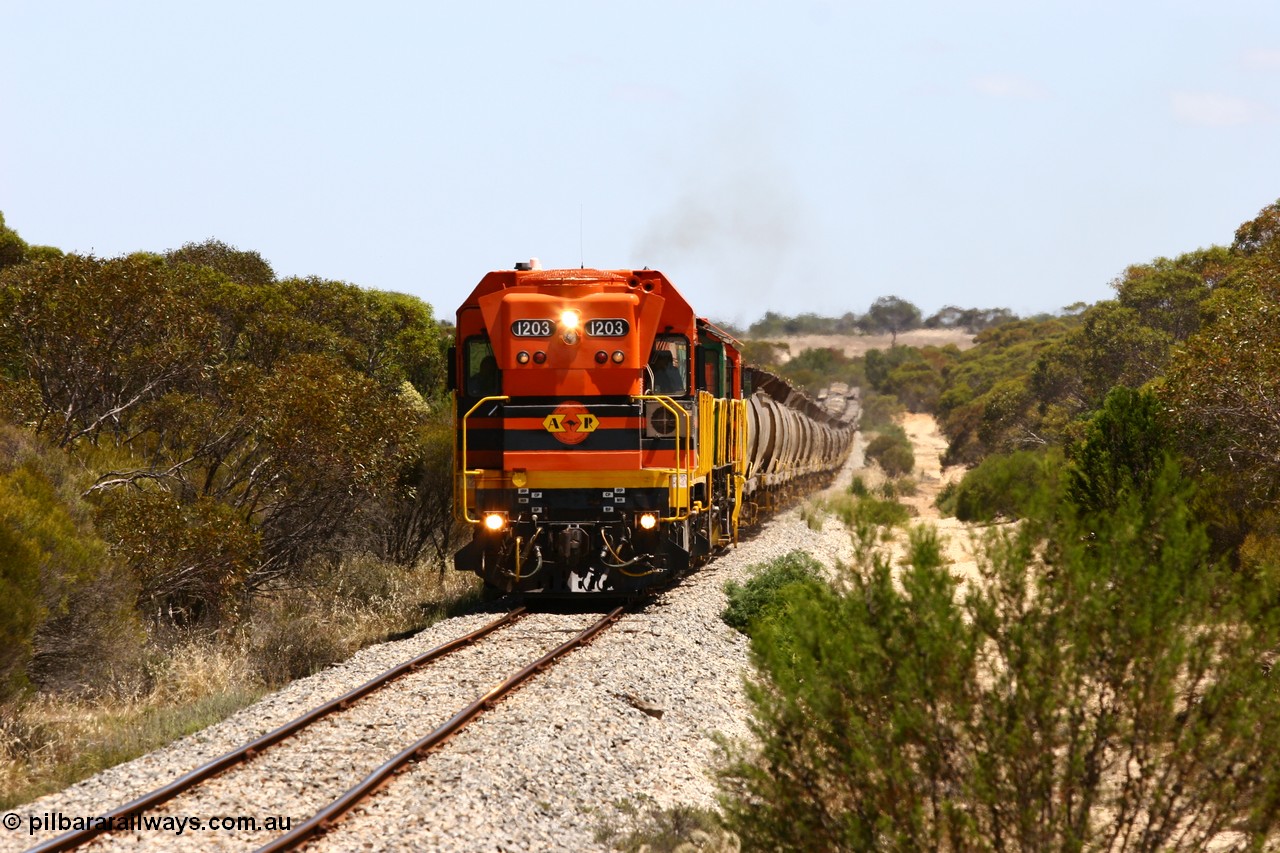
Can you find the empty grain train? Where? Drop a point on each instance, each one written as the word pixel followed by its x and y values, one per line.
pixel 608 439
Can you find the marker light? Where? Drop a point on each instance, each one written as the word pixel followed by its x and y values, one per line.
pixel 569 319
pixel 539 357
pixel 601 357
pixel 648 521
pixel 522 357
pixel 495 521
pixel 618 356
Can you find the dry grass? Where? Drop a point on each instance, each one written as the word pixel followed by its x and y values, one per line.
pixel 49 742
pixel 191 681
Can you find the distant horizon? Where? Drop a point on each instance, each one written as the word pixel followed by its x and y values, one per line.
pixel 450 309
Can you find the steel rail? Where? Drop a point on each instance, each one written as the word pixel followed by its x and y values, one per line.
pixel 76 838
pixel 333 812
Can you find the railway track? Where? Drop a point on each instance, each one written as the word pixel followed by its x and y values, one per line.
pixel 327 816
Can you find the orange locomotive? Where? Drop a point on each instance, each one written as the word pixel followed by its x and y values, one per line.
pixel 602 432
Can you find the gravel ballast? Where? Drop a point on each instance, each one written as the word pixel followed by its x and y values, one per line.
pixel 629 722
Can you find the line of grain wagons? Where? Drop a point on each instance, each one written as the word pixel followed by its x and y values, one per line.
pixel 793 438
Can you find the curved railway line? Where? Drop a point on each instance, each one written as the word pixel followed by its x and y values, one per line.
pixel 306 766
pixel 327 816
pixel 366 713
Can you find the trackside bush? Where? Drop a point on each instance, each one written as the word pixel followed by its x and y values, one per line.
pixel 20 554
pixel 760 596
pixel 891 450
pixel 877 512
pixel 1106 692
pixel 879 410
pixel 65 606
pixel 1006 486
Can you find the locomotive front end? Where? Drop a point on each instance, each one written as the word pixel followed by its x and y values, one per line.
pixel 577 462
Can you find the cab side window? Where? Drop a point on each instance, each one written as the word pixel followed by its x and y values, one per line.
pixel 710 359
pixel 484 379
pixel 669 362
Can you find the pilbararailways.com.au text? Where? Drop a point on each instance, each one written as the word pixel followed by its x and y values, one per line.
pixel 142 822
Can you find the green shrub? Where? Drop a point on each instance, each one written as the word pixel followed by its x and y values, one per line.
pixel 67 618
pixel 879 410
pixel 878 512
pixel 20 557
pixel 1007 486
pixel 1123 449
pixel 858 487
pixel 416 519
pixel 1117 697
pixel 759 597
pixel 917 384
pixel 891 450
pixel 946 499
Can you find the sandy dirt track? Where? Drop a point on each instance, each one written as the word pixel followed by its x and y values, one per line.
pixel 929 445
pixel 856 345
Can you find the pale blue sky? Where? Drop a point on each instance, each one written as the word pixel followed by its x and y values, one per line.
pixel 788 156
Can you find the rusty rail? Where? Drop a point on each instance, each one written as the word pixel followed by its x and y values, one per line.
pixel 77 838
pixel 333 812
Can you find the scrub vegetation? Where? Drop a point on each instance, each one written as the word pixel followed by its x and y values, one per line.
pixel 212 481
pixel 1106 680
pixel 1104 685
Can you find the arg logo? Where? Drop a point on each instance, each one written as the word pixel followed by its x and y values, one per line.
pixel 570 423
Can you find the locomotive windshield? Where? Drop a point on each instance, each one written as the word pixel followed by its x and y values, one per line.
pixel 669 362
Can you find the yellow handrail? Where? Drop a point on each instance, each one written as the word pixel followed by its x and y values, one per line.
pixel 740 444
pixel 463 473
pixel 687 468
pixel 706 433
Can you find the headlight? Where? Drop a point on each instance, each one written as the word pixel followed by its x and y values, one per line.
pixel 569 319
pixel 648 521
pixel 494 521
